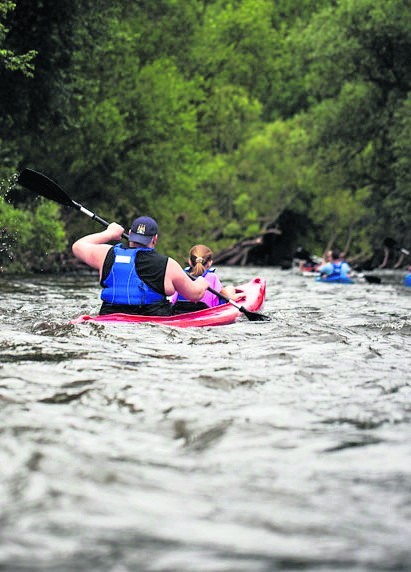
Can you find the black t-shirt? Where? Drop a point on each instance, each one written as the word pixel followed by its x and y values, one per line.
pixel 150 266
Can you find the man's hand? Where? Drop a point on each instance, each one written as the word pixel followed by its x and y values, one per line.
pixel 92 249
pixel 114 231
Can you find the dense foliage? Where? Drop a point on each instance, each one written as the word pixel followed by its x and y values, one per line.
pixel 213 116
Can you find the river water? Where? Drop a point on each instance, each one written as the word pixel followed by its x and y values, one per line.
pixel 251 447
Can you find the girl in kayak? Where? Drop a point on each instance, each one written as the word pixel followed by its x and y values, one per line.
pixel 200 259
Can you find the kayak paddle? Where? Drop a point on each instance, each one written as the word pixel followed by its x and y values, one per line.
pixel 42 185
pixel 370 279
pixel 252 316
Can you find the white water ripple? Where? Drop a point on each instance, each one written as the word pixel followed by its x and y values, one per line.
pixel 250 447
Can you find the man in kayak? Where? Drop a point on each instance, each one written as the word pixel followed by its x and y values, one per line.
pixel 135 278
pixel 337 270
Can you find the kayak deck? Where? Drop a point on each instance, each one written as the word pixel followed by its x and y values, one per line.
pixel 253 299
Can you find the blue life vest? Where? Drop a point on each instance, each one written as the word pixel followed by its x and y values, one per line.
pixel 407 280
pixel 336 275
pixel 123 285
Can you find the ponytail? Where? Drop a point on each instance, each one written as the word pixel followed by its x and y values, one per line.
pixel 199 256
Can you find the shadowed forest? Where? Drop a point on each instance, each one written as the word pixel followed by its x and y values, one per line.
pixel 224 120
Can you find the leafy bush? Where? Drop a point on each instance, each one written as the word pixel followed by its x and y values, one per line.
pixel 30 239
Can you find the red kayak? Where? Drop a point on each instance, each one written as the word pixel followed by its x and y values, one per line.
pixel 253 299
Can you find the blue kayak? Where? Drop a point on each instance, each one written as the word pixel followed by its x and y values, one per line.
pixel 407 280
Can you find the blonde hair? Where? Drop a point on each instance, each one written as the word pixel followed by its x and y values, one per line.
pixel 198 258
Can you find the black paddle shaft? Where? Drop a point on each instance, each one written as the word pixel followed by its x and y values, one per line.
pixel 46 187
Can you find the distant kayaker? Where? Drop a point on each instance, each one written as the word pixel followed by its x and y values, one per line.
pixel 136 279
pixel 200 260
pixel 306 262
pixel 327 257
pixel 337 270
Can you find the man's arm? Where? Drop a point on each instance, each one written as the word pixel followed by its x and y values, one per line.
pixel 92 249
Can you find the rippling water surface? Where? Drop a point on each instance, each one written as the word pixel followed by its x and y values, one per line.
pixel 250 447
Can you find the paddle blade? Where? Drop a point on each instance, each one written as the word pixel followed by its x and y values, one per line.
pixel 254 316
pixel 42 185
pixel 372 279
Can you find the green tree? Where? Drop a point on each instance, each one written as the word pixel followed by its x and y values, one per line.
pixel 30 238
pixel 9 59
pixel 35 55
pixel 215 117
pixel 356 57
